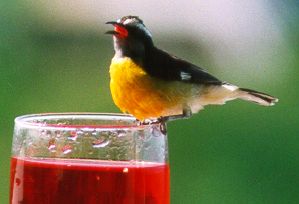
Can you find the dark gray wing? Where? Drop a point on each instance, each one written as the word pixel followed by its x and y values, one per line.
pixel 160 64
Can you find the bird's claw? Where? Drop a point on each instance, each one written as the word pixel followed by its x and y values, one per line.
pixel 161 121
pixel 148 121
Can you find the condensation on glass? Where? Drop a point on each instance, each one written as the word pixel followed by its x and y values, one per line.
pixel 89 136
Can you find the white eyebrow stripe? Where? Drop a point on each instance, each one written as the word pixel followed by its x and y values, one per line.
pixel 185 76
pixel 129 20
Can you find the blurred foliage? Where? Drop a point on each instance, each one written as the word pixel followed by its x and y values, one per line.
pixel 237 153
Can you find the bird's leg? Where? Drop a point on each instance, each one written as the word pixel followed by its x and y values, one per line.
pixel 187 113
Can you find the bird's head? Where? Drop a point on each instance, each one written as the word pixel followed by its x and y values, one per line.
pixel 131 37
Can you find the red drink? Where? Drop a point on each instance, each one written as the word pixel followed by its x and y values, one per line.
pixel 54 181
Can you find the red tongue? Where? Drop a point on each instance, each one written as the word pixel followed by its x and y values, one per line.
pixel 121 30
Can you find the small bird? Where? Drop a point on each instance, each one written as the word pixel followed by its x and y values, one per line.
pixel 150 83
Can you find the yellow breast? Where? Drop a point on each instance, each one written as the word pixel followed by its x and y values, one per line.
pixel 137 93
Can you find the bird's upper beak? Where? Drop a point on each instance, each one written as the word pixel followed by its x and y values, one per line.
pixel 113 23
pixel 119 29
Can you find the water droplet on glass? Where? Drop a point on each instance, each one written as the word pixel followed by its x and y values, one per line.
pixel 100 143
pixel 43 133
pixel 51 145
pixel 73 135
pixel 121 133
pixel 94 133
pixel 57 133
pixel 67 149
pixel 61 123
pixel 46 133
pixel 147 146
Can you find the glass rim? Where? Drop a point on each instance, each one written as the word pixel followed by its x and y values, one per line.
pixel 27 121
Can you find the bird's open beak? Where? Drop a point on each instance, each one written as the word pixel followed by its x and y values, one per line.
pixel 112 32
pixel 119 29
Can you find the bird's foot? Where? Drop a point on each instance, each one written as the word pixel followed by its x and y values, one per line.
pixel 148 121
pixel 187 113
pixel 160 121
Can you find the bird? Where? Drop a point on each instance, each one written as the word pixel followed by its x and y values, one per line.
pixel 150 84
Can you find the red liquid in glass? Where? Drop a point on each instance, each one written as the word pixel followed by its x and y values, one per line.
pixel 50 181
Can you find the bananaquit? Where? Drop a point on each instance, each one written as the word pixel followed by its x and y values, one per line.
pixel 150 83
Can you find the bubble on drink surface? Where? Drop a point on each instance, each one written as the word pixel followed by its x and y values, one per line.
pixel 101 142
pixel 18 181
pixel 67 149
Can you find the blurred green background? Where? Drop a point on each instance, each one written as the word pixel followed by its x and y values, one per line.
pixel 54 57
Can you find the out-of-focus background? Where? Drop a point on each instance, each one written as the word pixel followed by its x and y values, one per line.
pixel 54 57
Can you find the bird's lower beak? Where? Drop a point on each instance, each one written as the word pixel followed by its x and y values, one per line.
pixel 112 32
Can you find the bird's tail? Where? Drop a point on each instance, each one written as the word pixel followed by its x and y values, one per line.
pixel 256 97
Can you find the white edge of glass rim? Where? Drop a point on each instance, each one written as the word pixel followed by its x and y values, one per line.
pixel 22 121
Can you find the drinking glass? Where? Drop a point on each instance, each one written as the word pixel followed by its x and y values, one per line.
pixel 88 158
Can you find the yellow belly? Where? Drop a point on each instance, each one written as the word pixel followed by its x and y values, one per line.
pixel 139 94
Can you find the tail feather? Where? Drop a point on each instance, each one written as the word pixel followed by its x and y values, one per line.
pixel 256 97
